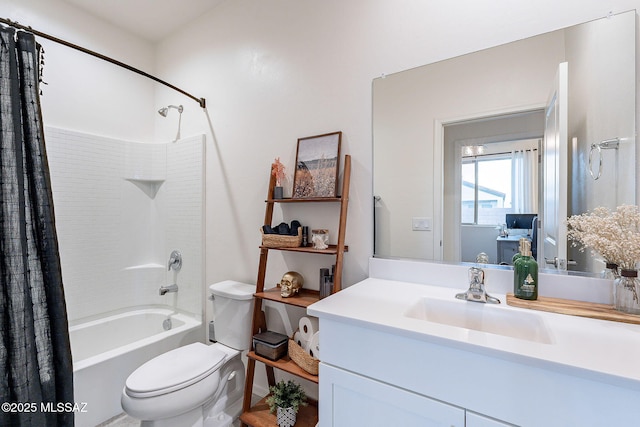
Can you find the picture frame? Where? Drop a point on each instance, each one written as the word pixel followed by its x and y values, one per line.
pixel 317 166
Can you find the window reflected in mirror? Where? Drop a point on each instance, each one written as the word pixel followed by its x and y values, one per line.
pixel 486 189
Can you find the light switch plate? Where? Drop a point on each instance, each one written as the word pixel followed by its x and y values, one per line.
pixel 420 224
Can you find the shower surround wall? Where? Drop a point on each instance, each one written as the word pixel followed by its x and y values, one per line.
pixel 121 208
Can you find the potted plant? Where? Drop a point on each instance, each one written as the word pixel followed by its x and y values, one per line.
pixel 277 170
pixel 285 399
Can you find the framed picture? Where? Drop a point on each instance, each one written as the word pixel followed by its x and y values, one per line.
pixel 317 165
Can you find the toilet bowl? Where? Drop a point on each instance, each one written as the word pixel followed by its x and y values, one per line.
pixel 197 384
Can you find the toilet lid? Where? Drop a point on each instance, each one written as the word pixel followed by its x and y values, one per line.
pixel 174 370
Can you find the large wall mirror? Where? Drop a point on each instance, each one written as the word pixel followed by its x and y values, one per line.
pixel 468 150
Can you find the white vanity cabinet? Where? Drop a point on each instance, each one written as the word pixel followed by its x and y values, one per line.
pixel 383 367
pixel 348 398
pixel 355 400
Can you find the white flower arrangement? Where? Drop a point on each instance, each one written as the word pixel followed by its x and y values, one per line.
pixel 615 236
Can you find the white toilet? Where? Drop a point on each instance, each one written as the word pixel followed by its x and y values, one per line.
pixel 198 384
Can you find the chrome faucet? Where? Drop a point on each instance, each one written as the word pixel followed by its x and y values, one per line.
pixel 476 291
pixel 175 261
pixel 168 288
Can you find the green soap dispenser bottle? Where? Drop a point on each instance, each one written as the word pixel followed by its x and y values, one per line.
pixel 525 274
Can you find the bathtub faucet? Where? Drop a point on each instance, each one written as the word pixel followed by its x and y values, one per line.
pixel 168 288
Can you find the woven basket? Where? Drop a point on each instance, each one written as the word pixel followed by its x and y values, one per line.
pixel 302 358
pixel 281 240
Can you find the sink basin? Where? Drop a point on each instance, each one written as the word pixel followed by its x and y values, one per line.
pixel 489 318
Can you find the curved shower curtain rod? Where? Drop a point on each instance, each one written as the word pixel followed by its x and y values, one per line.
pixel 201 101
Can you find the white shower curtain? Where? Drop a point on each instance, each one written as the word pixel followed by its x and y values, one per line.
pixel 524 181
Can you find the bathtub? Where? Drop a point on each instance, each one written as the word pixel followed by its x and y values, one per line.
pixel 106 350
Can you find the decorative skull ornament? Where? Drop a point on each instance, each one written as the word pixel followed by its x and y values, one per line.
pixel 290 284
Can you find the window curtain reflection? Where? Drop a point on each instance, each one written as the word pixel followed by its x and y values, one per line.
pixel 524 181
pixel 35 354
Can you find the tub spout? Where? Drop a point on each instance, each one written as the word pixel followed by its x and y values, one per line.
pixel 169 288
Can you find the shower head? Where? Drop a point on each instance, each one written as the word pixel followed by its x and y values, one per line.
pixel 165 110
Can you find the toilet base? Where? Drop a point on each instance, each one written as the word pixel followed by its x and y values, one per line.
pixel 198 418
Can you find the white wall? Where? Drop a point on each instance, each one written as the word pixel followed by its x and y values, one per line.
pixel 84 93
pixel 276 71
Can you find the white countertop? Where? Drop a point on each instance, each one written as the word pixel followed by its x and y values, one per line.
pixel 595 349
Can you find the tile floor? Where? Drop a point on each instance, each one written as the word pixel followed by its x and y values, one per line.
pixel 121 420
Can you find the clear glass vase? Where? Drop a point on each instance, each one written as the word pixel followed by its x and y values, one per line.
pixel 610 271
pixel 627 291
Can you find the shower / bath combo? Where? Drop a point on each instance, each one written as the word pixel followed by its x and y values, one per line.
pixel 165 110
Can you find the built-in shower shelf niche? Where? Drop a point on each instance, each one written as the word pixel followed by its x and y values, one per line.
pixel 148 266
pixel 149 186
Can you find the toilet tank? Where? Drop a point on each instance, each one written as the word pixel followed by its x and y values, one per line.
pixel 232 311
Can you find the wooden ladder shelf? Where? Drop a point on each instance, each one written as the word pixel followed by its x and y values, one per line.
pixel 258 415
